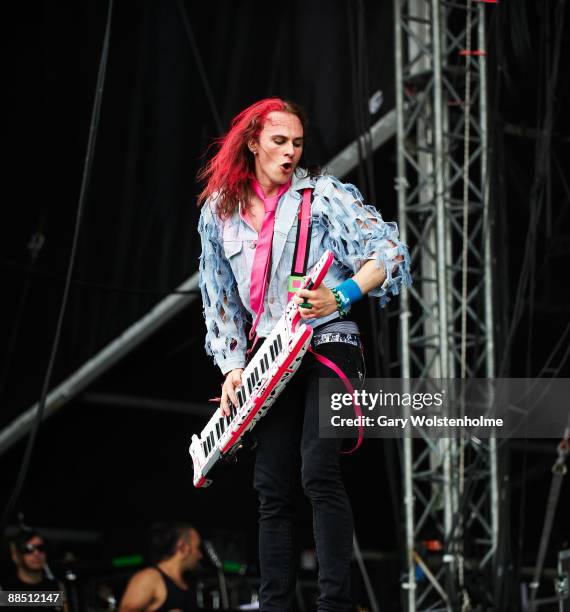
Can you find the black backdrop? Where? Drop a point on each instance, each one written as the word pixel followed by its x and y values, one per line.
pixel 139 225
pixel 116 467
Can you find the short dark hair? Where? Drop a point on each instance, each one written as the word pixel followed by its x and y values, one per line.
pixel 21 537
pixel 163 539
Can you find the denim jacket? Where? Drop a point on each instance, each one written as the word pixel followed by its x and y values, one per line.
pixel 340 222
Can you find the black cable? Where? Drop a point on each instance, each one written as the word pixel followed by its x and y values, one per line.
pixel 355 98
pixel 543 74
pixel 200 65
pixel 365 171
pixel 356 83
pixel 365 130
pixel 522 510
pixel 81 205
pixel 364 98
pixel 357 93
pixel 558 472
pixel 35 245
pixel 536 200
pixel 561 342
pixel 379 324
pixel 382 355
pixel 362 125
pixel 472 468
pixel 540 190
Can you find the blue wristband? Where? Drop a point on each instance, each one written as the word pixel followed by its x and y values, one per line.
pixel 349 292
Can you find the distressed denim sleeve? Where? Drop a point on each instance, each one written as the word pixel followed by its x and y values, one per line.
pixel 223 310
pixel 357 233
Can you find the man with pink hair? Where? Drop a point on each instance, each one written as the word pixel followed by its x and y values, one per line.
pixel 248 228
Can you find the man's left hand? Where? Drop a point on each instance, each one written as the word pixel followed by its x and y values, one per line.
pixel 322 302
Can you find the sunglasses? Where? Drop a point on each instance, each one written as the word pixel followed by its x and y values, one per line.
pixel 28 549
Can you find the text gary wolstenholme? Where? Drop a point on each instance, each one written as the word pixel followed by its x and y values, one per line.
pixel 481 407
pixel 373 402
pixel 414 420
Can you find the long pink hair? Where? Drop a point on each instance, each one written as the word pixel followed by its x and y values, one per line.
pixel 227 174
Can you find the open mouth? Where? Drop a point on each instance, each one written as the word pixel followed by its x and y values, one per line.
pixel 287 166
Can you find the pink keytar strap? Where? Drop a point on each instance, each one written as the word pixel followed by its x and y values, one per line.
pixel 302 245
pixel 262 258
pixel 348 386
pixel 304 220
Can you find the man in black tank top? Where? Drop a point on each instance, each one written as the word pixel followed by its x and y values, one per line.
pixel 162 588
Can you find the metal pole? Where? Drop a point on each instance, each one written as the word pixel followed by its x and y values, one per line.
pixel 488 282
pixel 401 186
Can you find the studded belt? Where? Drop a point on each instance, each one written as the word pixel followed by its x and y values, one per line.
pixel 344 337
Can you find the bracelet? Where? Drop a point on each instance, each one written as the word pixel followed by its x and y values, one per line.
pixel 349 292
pixel 339 305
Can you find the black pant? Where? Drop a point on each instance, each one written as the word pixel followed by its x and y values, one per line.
pixel 290 452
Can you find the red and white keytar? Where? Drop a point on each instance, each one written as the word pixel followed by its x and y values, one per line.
pixel 263 379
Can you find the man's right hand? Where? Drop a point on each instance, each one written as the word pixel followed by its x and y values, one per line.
pixel 233 380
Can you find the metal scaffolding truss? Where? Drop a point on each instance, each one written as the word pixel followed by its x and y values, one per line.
pixel 446 319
